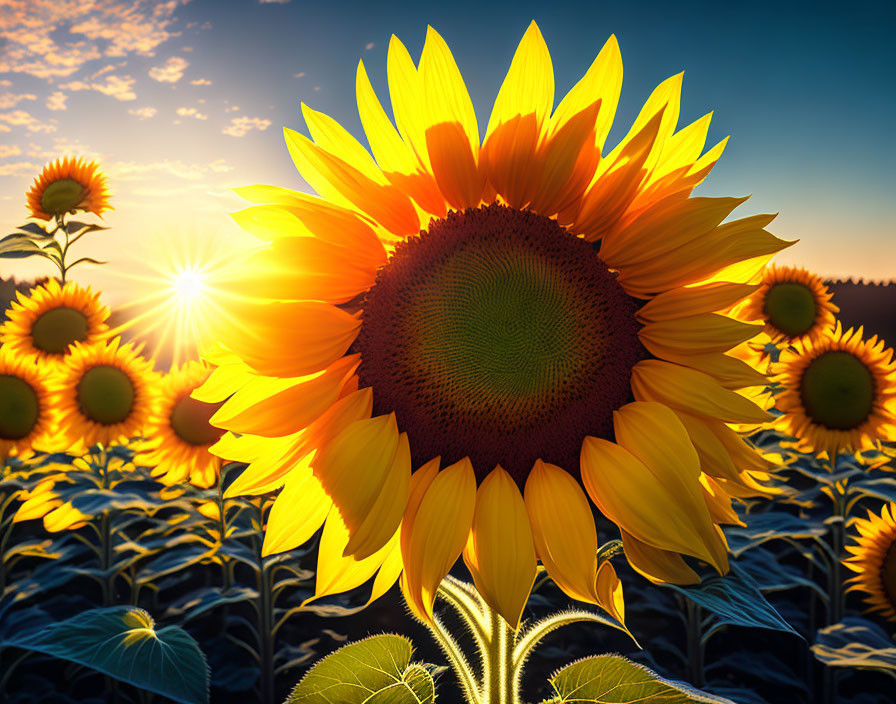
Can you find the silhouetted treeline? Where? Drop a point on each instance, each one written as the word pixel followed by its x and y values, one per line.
pixel 872 305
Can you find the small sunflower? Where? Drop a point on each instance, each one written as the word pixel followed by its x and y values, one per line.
pixel 26 411
pixel 793 303
pixel 67 186
pixel 103 394
pixel 47 321
pixel 525 321
pixel 874 559
pixel 839 392
pixel 178 431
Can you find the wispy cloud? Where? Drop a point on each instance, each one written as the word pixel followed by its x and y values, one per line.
pixel 201 82
pixel 21 168
pixel 138 171
pixel 119 87
pixel 239 126
pixel 143 113
pixel 55 38
pixel 56 100
pixel 10 100
pixel 369 45
pixel 300 74
pixel 191 112
pixel 273 2
pixel 7 150
pixel 171 71
pixel 20 118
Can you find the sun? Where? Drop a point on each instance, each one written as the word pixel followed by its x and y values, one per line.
pixel 189 286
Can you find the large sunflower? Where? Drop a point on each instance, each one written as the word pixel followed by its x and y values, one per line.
pixel 874 559
pixel 67 186
pixel 839 392
pixel 51 318
pixel 178 431
pixel 26 413
pixel 794 305
pixel 103 394
pixel 513 320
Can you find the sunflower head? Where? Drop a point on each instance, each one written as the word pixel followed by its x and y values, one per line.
pixel 178 431
pixel 26 414
pixel 794 304
pixel 461 340
pixel 51 318
pixel 67 186
pixel 873 558
pixel 103 394
pixel 838 392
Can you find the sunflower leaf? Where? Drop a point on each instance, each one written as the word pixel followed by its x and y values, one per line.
pixel 611 679
pixel 376 670
pixel 32 228
pixel 123 642
pixel 86 260
pixel 735 599
pixel 18 247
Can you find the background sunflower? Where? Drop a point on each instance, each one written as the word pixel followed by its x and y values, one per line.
pixel 873 558
pixel 67 186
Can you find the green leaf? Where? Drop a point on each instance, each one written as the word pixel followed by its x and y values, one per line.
pixel 86 260
pixel 18 247
pixel 32 228
pixel 611 679
pixel 371 670
pixel 122 642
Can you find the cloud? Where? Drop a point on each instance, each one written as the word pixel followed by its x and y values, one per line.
pixel 119 87
pixel 273 2
pixel 9 150
pixel 201 82
pixel 143 113
pixel 239 126
pixel 20 118
pixel 369 46
pixel 137 171
pixel 191 112
pixel 232 108
pixel 56 100
pixel 171 71
pixel 10 100
pixel 301 74
pixel 22 168
pixel 55 38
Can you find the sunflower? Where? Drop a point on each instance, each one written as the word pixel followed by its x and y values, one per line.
pixel 103 394
pixel 51 318
pixel 26 414
pixel 794 305
pixel 67 186
pixel 838 392
pixel 521 322
pixel 874 559
pixel 178 431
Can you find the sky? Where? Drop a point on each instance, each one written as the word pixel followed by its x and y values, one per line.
pixel 183 100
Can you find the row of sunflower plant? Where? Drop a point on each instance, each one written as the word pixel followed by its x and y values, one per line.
pixel 444 357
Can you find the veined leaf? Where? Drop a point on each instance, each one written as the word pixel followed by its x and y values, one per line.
pixel 611 679
pixel 376 670
pixel 762 527
pixel 122 642
pixel 18 246
pixel 735 599
pixel 32 228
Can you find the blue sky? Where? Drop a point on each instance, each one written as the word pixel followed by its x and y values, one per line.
pixel 183 100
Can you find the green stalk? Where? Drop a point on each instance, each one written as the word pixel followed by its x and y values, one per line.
pixel 501 685
pixel 265 611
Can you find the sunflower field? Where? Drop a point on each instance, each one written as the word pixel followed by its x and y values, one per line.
pixel 487 420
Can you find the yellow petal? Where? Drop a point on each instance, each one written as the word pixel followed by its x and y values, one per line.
pixel 287 339
pixel 704 333
pixel 563 530
pixel 693 300
pixel 297 514
pixel 272 407
pixel 270 470
pixel 655 435
pixel 602 82
pixel 730 372
pixel 631 496
pixel 501 539
pixel 718 502
pixel 334 179
pixel 657 565
pixel 609 592
pixel 451 130
pixel 65 517
pixel 337 573
pixel 714 458
pixel 436 534
pixel 328 134
pixel 692 391
pixel 356 465
pixel 384 517
pixel 528 88
pixel 683 148
pixel 222 383
pixel 406 93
